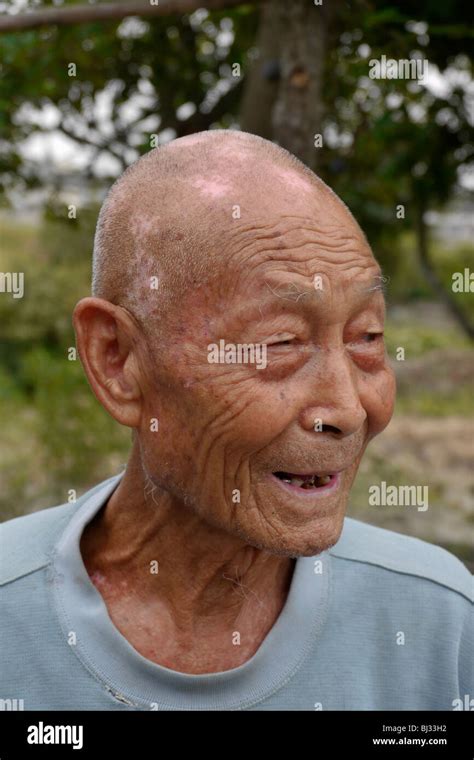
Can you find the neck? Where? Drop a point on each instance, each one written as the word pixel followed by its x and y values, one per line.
pixel 192 575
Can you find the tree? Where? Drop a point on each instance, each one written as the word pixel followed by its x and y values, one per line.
pixel 297 73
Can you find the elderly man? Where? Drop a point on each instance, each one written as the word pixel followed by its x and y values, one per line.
pixel 236 326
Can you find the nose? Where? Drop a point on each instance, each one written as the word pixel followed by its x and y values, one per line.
pixel 334 406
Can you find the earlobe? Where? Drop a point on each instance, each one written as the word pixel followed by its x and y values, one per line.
pixel 104 336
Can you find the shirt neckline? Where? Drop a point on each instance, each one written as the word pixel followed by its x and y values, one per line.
pixel 139 682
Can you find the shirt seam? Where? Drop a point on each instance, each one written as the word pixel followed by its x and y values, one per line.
pixel 408 573
pixel 21 575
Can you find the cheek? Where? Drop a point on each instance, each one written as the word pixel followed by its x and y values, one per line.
pixel 378 399
pixel 241 411
pixel 264 417
pixel 169 437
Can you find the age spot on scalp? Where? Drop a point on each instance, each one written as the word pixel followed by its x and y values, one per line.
pixel 212 188
pixel 293 179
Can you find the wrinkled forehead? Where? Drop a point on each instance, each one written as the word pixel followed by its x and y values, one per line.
pixel 302 243
pixel 230 230
pixel 291 265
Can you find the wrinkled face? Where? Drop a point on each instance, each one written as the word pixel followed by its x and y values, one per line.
pixel 265 441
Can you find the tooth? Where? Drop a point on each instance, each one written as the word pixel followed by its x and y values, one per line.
pixel 324 480
pixel 297 481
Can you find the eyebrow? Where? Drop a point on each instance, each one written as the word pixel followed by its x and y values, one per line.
pixel 379 284
pixel 290 291
pixel 293 291
pixel 292 294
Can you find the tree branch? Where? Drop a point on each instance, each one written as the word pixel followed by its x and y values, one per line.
pixel 200 121
pixel 82 14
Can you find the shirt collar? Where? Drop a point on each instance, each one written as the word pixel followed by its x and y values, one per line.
pixel 143 684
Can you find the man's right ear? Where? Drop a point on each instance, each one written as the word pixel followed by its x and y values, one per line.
pixel 105 340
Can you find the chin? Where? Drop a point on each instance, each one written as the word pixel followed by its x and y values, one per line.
pixel 316 543
pixel 303 541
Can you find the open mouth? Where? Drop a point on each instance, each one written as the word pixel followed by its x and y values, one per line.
pixel 312 482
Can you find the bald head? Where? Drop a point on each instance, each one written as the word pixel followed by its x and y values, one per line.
pixel 168 222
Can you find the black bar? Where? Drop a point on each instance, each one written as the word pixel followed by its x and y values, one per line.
pixel 131 734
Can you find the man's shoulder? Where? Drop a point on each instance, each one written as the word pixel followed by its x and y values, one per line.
pixel 379 547
pixel 26 542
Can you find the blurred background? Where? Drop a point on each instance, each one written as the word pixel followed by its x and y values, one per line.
pixel 85 90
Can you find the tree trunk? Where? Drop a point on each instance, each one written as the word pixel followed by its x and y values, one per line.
pixel 299 108
pixel 283 96
pixel 261 82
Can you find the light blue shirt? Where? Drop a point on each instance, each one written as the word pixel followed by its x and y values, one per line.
pixel 380 621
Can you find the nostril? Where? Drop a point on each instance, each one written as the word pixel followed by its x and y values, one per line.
pixel 330 429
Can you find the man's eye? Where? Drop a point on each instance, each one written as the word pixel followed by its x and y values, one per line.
pixel 372 337
pixel 284 341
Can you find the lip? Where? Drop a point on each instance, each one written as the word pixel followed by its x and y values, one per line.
pixel 309 474
pixel 310 493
